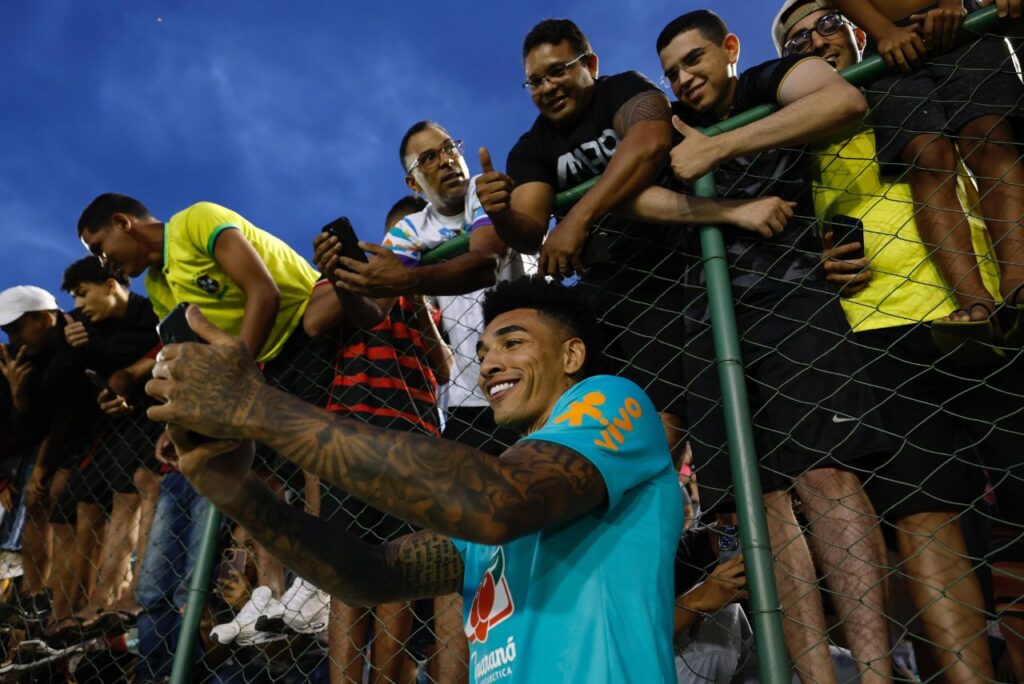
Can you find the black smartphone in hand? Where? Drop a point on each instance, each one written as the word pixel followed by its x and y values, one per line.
pixel 342 229
pixel 847 230
pixel 174 327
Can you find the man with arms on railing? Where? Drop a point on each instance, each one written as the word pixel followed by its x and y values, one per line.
pixel 570 534
pixel 794 339
pixel 616 129
pixel 924 488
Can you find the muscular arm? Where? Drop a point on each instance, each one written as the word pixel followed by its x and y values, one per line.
pixel 246 269
pixel 523 225
pixel 414 566
pixel 815 101
pixel 444 486
pixel 474 270
pixel 870 16
pixel 645 135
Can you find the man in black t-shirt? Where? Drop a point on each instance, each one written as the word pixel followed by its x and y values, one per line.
pixel 614 129
pixel 795 340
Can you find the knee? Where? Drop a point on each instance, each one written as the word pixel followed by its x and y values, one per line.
pixel 930 154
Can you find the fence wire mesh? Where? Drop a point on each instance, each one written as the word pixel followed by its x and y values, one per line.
pixel 888 446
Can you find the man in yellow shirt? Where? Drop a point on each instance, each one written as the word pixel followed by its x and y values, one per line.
pixel 251 283
pixel 931 403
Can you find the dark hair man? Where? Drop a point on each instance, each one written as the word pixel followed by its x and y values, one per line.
pixel 570 534
pixel 924 488
pixel 794 335
pixel 435 168
pixel 616 129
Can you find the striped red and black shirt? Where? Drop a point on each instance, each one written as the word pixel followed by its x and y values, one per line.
pixel 382 375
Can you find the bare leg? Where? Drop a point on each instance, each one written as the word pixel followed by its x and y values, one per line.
pixel 120 536
pixel 63 572
pixel 803 617
pixel 990 154
pixel 450 664
pixel 35 548
pixel 347 634
pixel 148 484
pixel 269 570
pixel 946 592
pixel 391 626
pixel 89 531
pixel 1012 628
pixel 941 220
pixel 848 543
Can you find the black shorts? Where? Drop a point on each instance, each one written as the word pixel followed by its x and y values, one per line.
pixel 953 424
pixel 641 319
pixel 474 426
pixel 975 80
pixel 305 369
pixel 129 445
pixel 807 408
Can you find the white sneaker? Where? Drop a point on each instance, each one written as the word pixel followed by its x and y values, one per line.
pixel 243 628
pixel 306 608
pixel 10 565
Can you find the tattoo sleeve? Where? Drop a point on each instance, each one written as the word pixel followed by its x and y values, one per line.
pixel 439 485
pixel 644 106
pixel 414 566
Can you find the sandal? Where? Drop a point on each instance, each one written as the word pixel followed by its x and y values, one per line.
pixel 969 343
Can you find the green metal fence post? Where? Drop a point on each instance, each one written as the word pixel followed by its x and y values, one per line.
pixel 766 613
pixel 197 591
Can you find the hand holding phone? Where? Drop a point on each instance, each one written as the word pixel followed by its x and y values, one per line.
pixel 342 229
pixel 174 329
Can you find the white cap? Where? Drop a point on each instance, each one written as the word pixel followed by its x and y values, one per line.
pixel 17 301
pixel 780 29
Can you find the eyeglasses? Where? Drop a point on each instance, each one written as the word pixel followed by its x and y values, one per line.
pixel 672 73
pixel 431 158
pixel 554 73
pixel 801 40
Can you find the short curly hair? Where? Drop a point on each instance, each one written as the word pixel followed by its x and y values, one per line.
pixel 90 270
pixel 566 306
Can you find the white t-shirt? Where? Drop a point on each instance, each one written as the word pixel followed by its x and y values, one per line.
pixel 462 315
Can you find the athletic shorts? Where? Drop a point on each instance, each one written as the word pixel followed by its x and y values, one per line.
pixel 641 320
pixel 975 80
pixel 359 518
pixel 807 408
pixel 474 426
pixel 953 426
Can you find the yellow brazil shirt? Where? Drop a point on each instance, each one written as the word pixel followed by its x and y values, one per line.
pixel 906 286
pixel 190 273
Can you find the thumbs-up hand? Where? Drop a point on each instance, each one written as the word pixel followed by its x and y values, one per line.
pixel 493 188
pixel 695 155
pixel 75 332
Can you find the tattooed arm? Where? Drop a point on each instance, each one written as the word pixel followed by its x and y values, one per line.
pixel 449 488
pixel 414 566
pixel 644 130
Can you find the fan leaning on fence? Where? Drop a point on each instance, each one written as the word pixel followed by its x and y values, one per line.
pixel 563 546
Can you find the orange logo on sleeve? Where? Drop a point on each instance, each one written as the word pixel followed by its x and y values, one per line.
pixel 615 431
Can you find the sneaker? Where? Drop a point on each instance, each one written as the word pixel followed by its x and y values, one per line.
pixel 10 565
pixel 243 628
pixel 306 608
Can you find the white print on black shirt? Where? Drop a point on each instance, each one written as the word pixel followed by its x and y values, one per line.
pixel 593 156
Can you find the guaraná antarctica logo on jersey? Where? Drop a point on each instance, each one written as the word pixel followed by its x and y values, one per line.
pixel 614 431
pixel 492 604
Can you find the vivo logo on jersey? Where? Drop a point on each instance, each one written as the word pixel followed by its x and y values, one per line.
pixel 615 430
pixel 587 160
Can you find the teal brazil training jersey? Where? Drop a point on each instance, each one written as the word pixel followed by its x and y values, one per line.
pixel 592 599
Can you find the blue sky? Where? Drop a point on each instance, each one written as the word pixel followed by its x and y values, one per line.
pixel 289 113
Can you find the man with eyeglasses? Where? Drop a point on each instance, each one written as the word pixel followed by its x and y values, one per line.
pixel 807 410
pixel 923 490
pixel 614 129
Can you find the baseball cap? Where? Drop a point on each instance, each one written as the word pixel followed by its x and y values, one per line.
pixel 803 8
pixel 17 301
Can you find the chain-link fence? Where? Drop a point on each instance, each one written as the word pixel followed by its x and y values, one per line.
pixel 830 426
